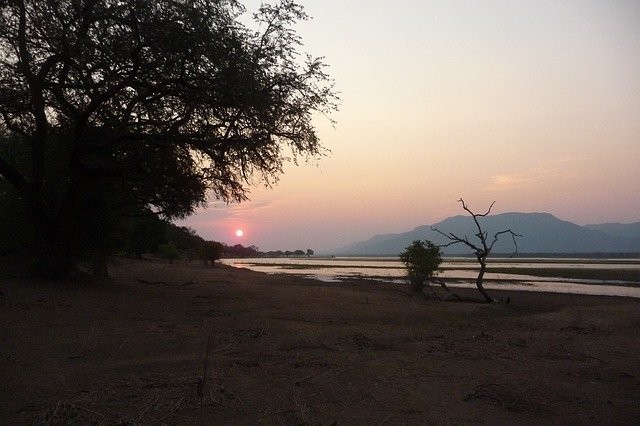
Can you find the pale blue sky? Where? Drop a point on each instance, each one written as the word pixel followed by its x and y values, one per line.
pixel 534 104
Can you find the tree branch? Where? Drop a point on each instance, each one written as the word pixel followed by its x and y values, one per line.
pixel 455 240
pixel 513 237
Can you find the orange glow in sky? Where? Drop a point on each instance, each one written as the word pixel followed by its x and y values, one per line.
pixel 533 104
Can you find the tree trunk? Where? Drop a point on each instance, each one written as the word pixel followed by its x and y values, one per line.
pixel 483 267
pixel 54 243
pixel 55 260
pixel 52 250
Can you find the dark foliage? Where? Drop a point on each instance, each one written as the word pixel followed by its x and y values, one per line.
pixel 210 251
pixel 239 250
pixel 145 234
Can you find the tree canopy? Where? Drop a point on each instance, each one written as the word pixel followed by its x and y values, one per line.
pixel 120 108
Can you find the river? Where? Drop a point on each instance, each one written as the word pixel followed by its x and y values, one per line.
pixel 516 274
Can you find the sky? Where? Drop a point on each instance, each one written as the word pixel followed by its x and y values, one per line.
pixel 532 104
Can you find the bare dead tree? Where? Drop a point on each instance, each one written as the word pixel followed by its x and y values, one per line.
pixel 481 250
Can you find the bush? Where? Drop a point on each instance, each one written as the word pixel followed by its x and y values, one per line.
pixel 210 251
pixel 422 260
pixel 168 251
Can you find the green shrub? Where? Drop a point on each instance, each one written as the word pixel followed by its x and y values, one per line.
pixel 422 260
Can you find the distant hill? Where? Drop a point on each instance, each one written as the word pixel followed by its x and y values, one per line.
pixel 541 233
pixel 618 229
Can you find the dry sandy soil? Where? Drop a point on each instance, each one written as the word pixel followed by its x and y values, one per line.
pixel 227 346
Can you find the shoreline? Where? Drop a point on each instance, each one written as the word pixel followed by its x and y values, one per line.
pixel 284 349
pixel 578 279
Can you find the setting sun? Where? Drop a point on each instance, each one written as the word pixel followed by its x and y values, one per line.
pixel 239 233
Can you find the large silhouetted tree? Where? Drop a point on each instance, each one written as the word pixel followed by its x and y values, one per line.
pixel 113 108
pixel 481 248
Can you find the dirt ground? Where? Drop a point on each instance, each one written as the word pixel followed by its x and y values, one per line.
pixel 228 346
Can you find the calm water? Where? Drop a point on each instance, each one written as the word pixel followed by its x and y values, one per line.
pixel 460 272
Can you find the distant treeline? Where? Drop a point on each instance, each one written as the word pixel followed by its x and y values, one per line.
pixel 239 250
pixel 629 255
pixel 152 235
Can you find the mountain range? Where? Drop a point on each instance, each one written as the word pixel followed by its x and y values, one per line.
pixel 541 233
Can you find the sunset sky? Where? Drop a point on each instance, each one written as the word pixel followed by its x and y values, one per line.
pixel 534 104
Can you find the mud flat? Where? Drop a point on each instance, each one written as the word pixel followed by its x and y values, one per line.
pixel 181 343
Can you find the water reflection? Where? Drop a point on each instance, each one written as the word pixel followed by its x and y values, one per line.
pixel 463 269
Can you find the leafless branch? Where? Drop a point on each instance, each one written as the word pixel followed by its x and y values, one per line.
pixel 454 239
pixel 513 238
pixel 464 206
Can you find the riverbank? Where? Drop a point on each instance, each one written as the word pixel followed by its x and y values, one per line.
pixel 171 344
pixel 610 277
